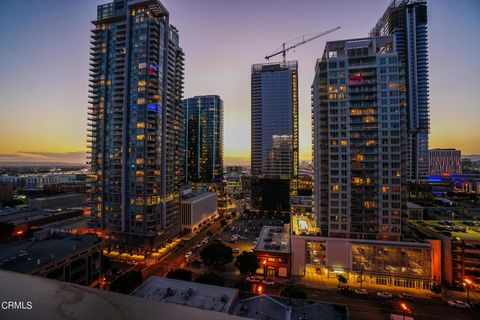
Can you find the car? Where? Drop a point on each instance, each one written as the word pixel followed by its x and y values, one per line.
pixel 236 250
pixel 458 304
pixel 268 282
pixel 255 242
pixel 384 294
pixel 362 292
pixel 252 279
pixel 405 296
pixel 315 260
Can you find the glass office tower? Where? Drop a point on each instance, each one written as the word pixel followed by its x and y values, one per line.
pixel 203 139
pixel 274 123
pixel 406 20
pixel 135 122
pixel 358 112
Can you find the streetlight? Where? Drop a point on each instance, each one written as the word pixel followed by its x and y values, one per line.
pixel 467 283
pixel 405 308
pixel 361 275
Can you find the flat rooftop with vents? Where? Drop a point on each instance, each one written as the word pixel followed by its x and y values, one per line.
pixel 274 239
pixel 192 294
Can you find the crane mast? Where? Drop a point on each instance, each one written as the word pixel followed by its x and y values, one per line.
pixel 284 49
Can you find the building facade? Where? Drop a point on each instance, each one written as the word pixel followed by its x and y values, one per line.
pixel 136 121
pixel 389 263
pixel 203 139
pixel 358 113
pixel 197 210
pixel 274 140
pixel 407 21
pixel 445 161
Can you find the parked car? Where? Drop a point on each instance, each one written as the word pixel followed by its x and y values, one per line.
pixel 252 279
pixel 384 294
pixel 236 250
pixel 362 292
pixel 405 296
pixel 458 304
pixel 268 282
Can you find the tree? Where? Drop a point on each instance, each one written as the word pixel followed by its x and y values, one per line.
pixel 127 282
pixel 210 278
pixel 341 280
pixel 293 292
pixel 247 262
pixel 6 230
pixel 223 222
pixel 180 274
pixel 216 254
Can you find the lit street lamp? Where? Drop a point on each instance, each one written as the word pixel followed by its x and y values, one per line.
pixel 467 283
pixel 361 275
pixel 405 308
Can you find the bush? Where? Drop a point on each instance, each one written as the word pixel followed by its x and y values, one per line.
pixel 210 278
pixel 127 282
pixel 216 254
pixel 180 274
pixel 293 292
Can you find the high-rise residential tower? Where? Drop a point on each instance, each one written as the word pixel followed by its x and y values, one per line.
pixel 275 121
pixel 358 113
pixel 203 139
pixel 406 20
pixel 136 121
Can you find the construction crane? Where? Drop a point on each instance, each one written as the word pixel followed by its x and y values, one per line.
pixel 284 47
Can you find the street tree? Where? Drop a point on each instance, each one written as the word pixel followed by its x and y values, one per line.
pixel 293 291
pixel 127 282
pixel 247 262
pixel 210 278
pixel 180 274
pixel 216 254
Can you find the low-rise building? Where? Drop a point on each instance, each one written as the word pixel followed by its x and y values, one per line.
pixel 273 251
pixel 392 263
pixel 57 201
pixel 60 256
pixel 197 209
pixel 187 293
pixel 414 211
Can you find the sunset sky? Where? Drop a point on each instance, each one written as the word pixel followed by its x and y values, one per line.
pixel 45 50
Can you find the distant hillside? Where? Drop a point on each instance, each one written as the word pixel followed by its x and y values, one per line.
pixel 474 157
pixel 14 164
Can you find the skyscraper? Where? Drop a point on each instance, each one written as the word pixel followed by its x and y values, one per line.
pixel 275 121
pixel 406 20
pixel 203 139
pixel 445 161
pixel 358 112
pixel 136 121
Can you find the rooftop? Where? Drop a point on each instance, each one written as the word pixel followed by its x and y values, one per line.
pixel 19 217
pixel 274 239
pixel 26 255
pixel 265 307
pixel 192 294
pixel 57 300
pixel 197 196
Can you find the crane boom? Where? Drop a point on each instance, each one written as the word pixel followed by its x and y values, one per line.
pixel 284 49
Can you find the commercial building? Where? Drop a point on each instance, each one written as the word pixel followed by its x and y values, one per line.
pixel 414 211
pixel 197 210
pixel 136 121
pixel 445 161
pixel 48 300
pixel 273 251
pixel 274 140
pixel 358 113
pixel 6 193
pixel 187 293
pixel 390 263
pixel 203 139
pixel 460 243
pixel 58 201
pixel 406 21
pixel 59 256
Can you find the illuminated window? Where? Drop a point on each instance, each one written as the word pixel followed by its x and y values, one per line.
pixel 140 173
pixel 138 217
pixel 140 137
pixel 369 204
pixel 369 142
pixel 393 85
pixel 368 119
pixel 271 259
pixel 142 83
pixel 333 142
pixel 335 187
pixel 141 100
pixel 342 88
pixel 140 124
pixel 139 161
pixel 359 157
pixel 384 188
pixel 356 112
pixel 357 180
pixel 344 142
